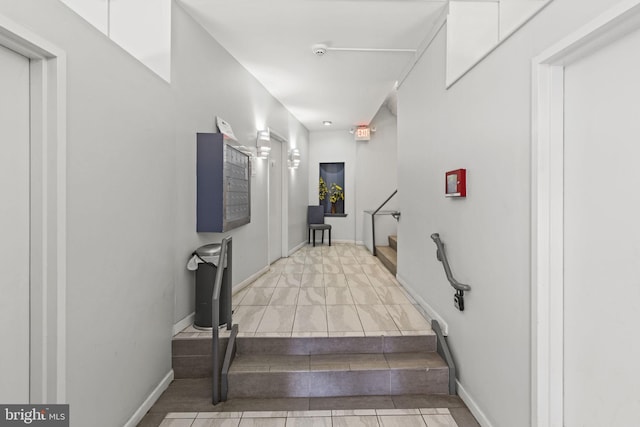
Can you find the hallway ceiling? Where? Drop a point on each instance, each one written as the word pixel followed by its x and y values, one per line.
pixel 273 40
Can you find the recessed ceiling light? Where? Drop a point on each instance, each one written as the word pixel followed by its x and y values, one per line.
pixel 327 122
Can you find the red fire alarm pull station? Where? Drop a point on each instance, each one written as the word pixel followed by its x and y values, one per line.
pixel 456 183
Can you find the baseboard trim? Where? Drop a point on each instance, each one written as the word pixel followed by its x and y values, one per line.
pixel 326 243
pixel 297 248
pixel 431 312
pixel 249 280
pixel 187 321
pixel 150 400
pixel 473 406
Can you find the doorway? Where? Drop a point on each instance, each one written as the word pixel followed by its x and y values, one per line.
pixel 586 243
pixel 275 201
pixel 278 198
pixel 14 227
pixel 602 236
pixel 36 229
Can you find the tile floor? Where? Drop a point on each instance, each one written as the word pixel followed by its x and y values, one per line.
pixel 339 290
pixel 424 417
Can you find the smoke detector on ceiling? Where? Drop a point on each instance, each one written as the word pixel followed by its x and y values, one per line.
pixel 319 49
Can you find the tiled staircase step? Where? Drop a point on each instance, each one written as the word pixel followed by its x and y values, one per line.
pixel 191 357
pixel 393 242
pixel 335 345
pixel 338 375
pixel 389 258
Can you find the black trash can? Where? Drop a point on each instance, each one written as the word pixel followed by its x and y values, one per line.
pixel 205 279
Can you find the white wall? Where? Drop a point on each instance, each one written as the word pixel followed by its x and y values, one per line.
pixel 120 198
pixel 370 174
pixel 141 27
pixel 208 82
pixel 131 198
pixel 472 31
pixel 96 12
pixel 482 123
pixel 376 177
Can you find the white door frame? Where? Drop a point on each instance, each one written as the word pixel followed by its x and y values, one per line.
pixel 547 210
pixel 284 209
pixel 48 259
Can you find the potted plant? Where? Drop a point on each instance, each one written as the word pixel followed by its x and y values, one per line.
pixel 335 193
pixel 322 190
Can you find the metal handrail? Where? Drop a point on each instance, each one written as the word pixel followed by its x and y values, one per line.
pixel 385 202
pixel 215 318
pixel 442 257
pixel 226 365
pixel 373 220
pixel 442 347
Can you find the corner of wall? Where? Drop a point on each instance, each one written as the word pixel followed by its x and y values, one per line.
pixel 297 248
pixel 430 311
pixel 139 414
pixel 473 406
pixel 188 320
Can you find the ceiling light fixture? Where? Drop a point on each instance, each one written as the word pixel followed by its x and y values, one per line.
pixel 327 122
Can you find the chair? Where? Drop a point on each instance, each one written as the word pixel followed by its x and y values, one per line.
pixel 315 221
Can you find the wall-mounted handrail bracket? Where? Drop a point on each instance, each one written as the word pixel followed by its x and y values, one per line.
pixel 460 288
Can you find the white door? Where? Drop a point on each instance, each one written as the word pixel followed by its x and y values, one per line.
pixel 602 237
pixel 14 227
pixel 275 201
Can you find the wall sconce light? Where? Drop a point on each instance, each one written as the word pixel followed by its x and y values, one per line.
pixel 294 158
pixel 263 143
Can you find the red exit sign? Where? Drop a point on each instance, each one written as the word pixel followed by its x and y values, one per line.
pixel 363 133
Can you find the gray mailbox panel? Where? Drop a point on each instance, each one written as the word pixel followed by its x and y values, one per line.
pixel 224 185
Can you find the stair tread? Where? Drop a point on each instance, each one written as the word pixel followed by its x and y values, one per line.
pixel 423 341
pixel 388 251
pixel 335 375
pixel 254 363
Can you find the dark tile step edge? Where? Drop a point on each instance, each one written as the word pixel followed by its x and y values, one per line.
pixel 312 345
pixel 388 262
pixel 191 366
pixel 333 384
pixel 393 242
pixel 191 358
